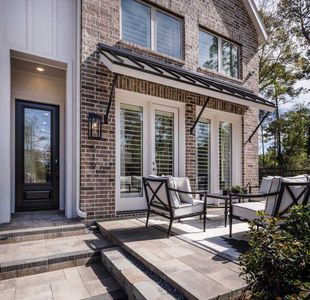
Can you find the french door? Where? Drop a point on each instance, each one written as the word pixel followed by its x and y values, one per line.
pixel 37 156
pixel 148 144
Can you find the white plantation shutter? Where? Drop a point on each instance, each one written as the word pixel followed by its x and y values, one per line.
pixel 136 23
pixel 168 35
pixel 225 153
pixel 203 154
pixel 131 150
pixel 164 142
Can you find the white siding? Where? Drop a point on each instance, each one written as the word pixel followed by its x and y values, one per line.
pixel 48 29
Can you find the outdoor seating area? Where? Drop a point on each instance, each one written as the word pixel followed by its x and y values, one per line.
pixel 172 198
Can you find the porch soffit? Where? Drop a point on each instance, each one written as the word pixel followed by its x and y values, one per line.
pixel 120 61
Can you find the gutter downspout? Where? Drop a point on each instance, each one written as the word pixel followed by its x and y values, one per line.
pixel 80 213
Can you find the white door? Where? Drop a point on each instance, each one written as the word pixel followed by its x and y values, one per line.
pixel 148 143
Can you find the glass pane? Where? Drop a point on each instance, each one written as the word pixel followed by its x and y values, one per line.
pixel 208 50
pixel 136 23
pixel 203 154
pixel 230 59
pixel 131 150
pixel 225 152
pixel 37 146
pixel 168 35
pixel 164 142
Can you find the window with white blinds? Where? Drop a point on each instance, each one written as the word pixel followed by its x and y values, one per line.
pixel 136 23
pixel 131 135
pixel 203 133
pixel 166 34
pixel 225 155
pixel 164 143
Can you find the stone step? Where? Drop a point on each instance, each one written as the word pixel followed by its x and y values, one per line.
pixel 83 282
pixel 134 281
pixel 28 258
pixel 41 233
pixel 194 272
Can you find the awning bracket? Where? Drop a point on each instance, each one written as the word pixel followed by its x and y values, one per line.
pixel 257 127
pixel 112 92
pixel 199 116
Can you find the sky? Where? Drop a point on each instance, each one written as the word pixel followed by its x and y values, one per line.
pixel 304 98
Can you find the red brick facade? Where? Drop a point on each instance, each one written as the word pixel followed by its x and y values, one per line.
pixel 101 24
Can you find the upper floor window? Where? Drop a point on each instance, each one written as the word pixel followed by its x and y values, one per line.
pixel 218 54
pixel 151 28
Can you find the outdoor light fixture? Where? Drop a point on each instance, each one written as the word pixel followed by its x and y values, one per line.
pixel 40 69
pixel 94 126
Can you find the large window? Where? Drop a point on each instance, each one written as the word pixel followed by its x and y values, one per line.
pixel 225 155
pixel 131 135
pixel 203 154
pixel 151 28
pixel 218 54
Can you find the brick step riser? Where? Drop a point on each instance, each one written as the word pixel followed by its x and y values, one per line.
pixel 40 234
pixel 47 265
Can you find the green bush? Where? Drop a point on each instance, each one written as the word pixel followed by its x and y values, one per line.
pixel 277 265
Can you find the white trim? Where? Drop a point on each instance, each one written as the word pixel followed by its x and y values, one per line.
pixel 180 85
pixel 215 116
pixel 149 104
pixel 257 21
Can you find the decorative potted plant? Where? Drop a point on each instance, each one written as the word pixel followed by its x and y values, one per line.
pixel 236 189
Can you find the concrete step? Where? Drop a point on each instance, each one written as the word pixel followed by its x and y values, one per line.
pixel 28 258
pixel 83 282
pixel 41 233
pixel 134 281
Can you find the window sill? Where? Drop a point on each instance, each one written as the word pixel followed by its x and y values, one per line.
pixel 219 75
pixel 151 53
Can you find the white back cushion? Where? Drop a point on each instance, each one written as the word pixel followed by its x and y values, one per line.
pixel 287 199
pixel 271 200
pixel 183 184
pixel 265 185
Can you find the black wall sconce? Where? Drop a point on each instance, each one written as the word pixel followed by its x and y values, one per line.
pixel 94 126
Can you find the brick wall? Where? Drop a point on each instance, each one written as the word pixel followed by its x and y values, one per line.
pixel 100 24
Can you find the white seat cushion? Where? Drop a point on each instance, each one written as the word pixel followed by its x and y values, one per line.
pixel 247 210
pixel 183 184
pixel 183 209
pixel 187 208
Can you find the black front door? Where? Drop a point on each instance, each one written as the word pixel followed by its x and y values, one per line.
pixel 37 156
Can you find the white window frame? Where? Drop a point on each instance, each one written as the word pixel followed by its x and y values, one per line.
pixel 215 116
pixel 149 104
pixel 154 28
pixel 219 54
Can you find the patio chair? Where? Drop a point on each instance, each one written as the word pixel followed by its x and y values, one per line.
pixel 284 193
pixel 164 199
pixel 263 189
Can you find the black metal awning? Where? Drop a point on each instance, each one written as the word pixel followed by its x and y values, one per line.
pixel 121 61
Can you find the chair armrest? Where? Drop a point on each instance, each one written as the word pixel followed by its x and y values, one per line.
pixel 186 192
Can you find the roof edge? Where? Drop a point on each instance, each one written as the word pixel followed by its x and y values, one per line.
pixel 257 21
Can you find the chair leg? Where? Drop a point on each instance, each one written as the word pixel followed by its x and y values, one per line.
pixel 147 218
pixel 230 224
pixel 204 221
pixel 169 229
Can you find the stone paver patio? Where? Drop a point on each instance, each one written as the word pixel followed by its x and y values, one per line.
pixel 195 272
